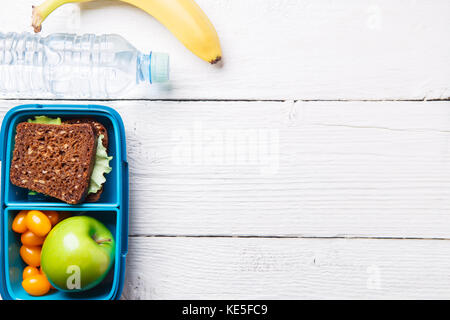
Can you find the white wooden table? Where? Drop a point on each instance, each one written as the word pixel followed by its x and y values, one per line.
pixel 314 163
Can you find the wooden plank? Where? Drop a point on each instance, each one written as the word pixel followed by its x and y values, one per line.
pixel 242 268
pixel 328 169
pixel 283 49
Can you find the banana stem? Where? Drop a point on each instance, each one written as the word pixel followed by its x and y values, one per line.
pixel 41 12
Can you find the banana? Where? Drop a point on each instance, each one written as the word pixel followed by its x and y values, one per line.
pixel 184 18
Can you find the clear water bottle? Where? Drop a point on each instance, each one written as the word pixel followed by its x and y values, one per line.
pixel 67 65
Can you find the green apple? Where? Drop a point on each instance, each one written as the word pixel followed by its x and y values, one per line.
pixel 77 254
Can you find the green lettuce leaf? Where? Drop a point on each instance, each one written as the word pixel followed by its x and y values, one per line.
pixel 101 165
pixel 100 168
pixel 45 120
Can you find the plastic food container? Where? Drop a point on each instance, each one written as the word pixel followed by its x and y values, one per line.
pixel 111 209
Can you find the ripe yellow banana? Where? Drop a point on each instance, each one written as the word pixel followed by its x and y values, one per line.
pixel 184 18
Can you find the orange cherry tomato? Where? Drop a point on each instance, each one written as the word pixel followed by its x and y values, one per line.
pixel 43 273
pixel 29 271
pixel 38 223
pixel 31 255
pixel 30 239
pixel 53 216
pixel 36 285
pixel 19 224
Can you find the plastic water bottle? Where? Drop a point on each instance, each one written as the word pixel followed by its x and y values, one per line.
pixel 67 65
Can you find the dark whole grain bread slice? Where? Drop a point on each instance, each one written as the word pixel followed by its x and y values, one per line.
pixel 94 197
pixel 98 129
pixel 97 126
pixel 56 160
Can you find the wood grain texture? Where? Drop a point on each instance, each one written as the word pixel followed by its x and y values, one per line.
pixel 283 49
pixel 236 268
pixel 281 197
pixel 327 169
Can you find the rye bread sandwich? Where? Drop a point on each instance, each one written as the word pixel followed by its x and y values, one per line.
pixel 64 160
pixel 100 131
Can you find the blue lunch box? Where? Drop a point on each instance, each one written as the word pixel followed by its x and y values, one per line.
pixel 111 209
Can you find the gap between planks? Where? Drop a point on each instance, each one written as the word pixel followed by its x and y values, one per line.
pixel 230 100
pixel 283 237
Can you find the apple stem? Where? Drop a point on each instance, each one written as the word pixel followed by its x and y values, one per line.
pixel 102 241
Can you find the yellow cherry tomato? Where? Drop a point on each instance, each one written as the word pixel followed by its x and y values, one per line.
pixel 53 216
pixel 38 223
pixel 31 255
pixel 30 239
pixel 29 271
pixel 19 224
pixel 36 285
